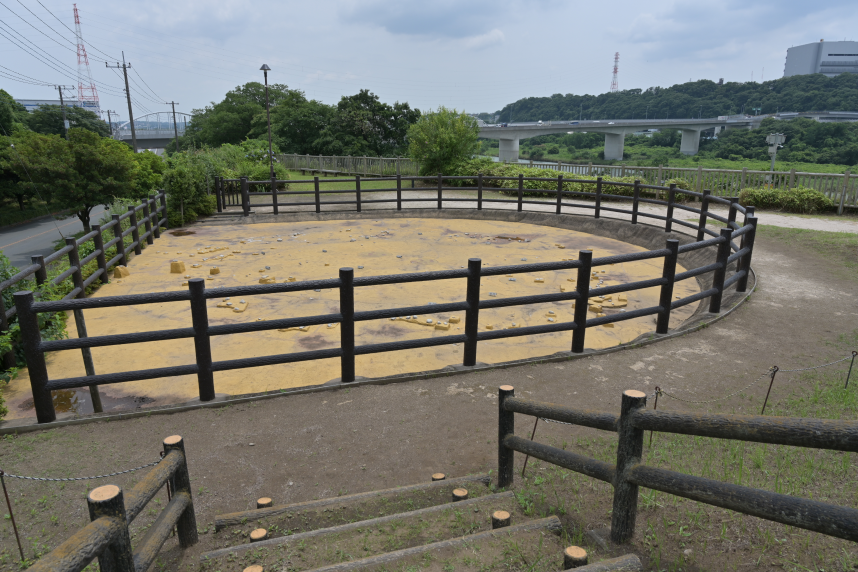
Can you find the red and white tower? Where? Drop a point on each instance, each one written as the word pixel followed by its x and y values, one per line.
pixel 614 85
pixel 87 95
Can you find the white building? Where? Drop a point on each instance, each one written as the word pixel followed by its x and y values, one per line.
pixel 829 58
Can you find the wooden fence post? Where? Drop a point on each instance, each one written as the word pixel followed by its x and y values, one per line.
pixel 731 214
pixel 699 186
pixel 843 192
pixel 274 195
pixel 791 179
pixel 219 193
pixel 520 191
pixel 745 261
pixel 659 179
pixel 147 222
pixel 720 272
pixel 666 295
pixel 186 527
pixel 245 196
pixel 120 246
pixel 597 212
pixel 135 230
pixel 506 427
pixel 398 188
pixel 153 212
pixel 80 323
pixel 559 192
pixel 347 327
pixel 472 314
pixel 590 168
pixel 318 194
pixel 629 452
pixel 108 501
pixel 671 199
pixel 98 242
pixel 357 193
pixel 636 201
pixel 704 214
pixel 202 341
pixel 479 191
pixel 31 337
pixel 744 178
pixel 164 206
pixel 441 190
pixel 582 303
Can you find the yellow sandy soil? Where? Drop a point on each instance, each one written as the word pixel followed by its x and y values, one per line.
pixel 317 250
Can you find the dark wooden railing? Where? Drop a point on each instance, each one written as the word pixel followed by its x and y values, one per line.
pixel 154 217
pixel 107 537
pixel 629 473
pixel 204 367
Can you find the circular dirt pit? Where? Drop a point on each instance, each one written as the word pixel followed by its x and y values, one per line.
pixel 250 254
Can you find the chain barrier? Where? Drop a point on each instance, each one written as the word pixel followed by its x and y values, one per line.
pixel 5 474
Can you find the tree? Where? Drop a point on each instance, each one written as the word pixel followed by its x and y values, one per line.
pixel 13 115
pixel 442 139
pixel 100 171
pixel 48 120
pixel 31 163
pixel 150 170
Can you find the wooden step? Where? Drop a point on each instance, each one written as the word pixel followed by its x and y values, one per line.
pixel 238 518
pixel 485 504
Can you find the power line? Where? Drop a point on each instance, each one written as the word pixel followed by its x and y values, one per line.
pixel 72 31
pixel 146 84
pixel 35 28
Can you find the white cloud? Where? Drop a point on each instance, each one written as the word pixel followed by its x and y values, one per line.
pixel 485 40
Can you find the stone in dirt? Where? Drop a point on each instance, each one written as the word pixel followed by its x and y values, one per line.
pixel 120 272
pixel 177 267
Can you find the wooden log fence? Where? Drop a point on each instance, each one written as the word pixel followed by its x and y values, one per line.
pixel 727 269
pixel 840 188
pixel 107 537
pixel 154 216
pixel 629 473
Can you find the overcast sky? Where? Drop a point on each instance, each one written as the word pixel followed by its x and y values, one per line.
pixel 476 55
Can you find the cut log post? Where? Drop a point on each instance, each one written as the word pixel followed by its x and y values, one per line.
pixel 258 534
pixel 460 494
pixel 438 476
pixel 573 557
pixel 627 563
pixel 254 568
pixel 264 502
pixel 500 519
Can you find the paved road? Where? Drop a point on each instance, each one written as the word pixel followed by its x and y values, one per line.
pixel 38 236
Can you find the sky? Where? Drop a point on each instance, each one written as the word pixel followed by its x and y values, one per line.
pixel 475 55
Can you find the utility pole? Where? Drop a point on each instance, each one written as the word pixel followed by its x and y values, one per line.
pixel 175 125
pixel 60 89
pixel 110 121
pixel 125 67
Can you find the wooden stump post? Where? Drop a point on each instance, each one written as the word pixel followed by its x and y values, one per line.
pixel 108 501
pixel 629 452
pixel 186 527
pixel 258 534
pixel 573 557
pixel 263 502
pixel 438 476
pixel 506 427
pixel 500 519
pixel 460 495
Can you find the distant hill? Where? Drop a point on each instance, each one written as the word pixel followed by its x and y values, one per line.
pixel 700 98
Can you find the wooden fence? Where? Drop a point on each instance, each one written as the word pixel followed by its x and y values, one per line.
pixel 735 238
pixel 840 188
pixel 630 473
pixel 151 222
pixel 107 537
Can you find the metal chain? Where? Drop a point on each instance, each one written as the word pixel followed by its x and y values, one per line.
pixel 5 474
pixel 769 373
pixel 766 374
pixel 816 366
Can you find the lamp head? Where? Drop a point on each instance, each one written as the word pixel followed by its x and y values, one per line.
pixel 265 68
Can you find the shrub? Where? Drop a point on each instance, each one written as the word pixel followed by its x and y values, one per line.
pixel 795 200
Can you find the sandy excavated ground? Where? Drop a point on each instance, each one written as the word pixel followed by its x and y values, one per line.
pixel 249 254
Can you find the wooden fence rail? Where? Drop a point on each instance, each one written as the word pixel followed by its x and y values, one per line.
pixel 840 188
pixel 629 473
pixel 107 537
pixel 735 239
pixel 154 211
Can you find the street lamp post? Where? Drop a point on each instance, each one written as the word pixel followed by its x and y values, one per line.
pixel 265 69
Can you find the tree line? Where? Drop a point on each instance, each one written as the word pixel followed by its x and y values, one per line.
pixel 703 98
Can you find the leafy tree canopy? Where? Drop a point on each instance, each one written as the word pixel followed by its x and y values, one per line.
pixel 700 98
pixel 443 139
pixel 13 115
pixel 48 120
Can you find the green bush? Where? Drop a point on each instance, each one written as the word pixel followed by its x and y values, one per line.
pixel 491 168
pixel 795 200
